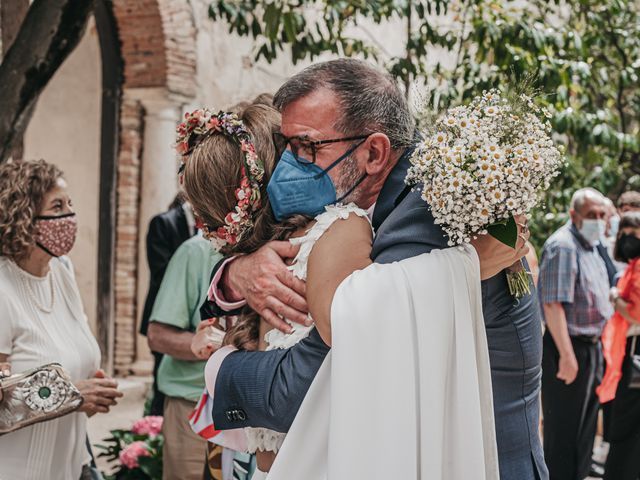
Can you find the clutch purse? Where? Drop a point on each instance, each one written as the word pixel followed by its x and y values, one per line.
pixel 37 395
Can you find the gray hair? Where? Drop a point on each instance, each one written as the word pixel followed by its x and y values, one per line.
pixel 582 196
pixel 369 99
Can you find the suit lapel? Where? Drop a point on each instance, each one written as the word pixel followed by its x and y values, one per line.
pixel 393 188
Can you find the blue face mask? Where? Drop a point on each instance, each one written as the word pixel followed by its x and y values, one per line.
pixel 297 187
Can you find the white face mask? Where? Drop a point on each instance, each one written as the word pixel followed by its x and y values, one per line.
pixel 614 225
pixel 592 230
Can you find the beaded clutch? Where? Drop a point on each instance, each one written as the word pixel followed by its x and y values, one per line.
pixel 37 395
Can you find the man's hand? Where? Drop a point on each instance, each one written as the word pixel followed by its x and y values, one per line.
pixel 495 256
pixel 567 369
pixel 262 278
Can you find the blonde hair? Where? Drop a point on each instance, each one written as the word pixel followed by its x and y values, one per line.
pixel 23 185
pixel 213 173
pixel 211 176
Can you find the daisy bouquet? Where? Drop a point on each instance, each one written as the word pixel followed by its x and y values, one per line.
pixel 481 164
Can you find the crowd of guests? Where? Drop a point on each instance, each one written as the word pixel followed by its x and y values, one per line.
pixel 587 272
pixel 588 289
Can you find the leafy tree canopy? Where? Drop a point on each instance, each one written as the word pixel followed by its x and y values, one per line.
pixel 581 56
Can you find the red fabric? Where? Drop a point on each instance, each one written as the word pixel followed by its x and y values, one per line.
pixel 614 335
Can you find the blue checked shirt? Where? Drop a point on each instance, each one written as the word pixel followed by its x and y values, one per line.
pixel 573 273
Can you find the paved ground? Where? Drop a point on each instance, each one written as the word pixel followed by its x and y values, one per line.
pixel 128 410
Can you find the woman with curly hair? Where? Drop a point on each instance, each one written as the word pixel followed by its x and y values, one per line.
pixel 42 319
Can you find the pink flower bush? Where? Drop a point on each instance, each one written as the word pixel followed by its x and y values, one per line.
pixel 150 425
pixel 130 454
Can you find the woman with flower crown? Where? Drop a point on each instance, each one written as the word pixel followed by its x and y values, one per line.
pixel 228 161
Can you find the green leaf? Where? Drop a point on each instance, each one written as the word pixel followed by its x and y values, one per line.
pixel 271 20
pixel 505 232
pixel 289 27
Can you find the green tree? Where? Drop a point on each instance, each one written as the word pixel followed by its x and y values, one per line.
pixel 582 57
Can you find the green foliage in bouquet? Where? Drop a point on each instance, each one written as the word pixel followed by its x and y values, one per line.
pixel 583 56
pixel 136 454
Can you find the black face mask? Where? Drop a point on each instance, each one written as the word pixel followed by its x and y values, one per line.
pixel 628 247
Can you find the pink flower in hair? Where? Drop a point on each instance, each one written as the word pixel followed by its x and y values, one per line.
pixel 182 148
pixel 129 455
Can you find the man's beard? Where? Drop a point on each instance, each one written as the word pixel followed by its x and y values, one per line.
pixel 349 176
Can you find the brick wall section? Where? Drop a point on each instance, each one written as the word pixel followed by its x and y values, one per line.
pixel 142 42
pixel 128 202
pixel 180 46
pixel 158 45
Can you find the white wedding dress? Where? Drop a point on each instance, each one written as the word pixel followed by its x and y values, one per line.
pixel 405 391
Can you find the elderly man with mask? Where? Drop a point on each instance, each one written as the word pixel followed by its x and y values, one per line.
pixel 574 293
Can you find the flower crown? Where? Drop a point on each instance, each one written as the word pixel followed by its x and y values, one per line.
pixel 203 123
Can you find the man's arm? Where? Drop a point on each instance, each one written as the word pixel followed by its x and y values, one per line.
pixel 557 325
pixel 171 341
pixel 558 271
pixel 266 389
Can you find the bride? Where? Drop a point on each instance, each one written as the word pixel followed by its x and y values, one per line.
pixel 409 365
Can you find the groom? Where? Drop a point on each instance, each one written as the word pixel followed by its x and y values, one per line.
pixel 323 108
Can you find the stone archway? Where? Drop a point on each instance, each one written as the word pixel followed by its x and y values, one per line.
pixel 157 39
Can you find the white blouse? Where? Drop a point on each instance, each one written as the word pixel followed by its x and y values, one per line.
pixel 42 321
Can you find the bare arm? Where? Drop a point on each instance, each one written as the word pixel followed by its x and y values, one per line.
pixel 344 248
pixel 557 325
pixel 171 341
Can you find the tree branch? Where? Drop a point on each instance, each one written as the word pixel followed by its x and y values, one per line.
pixel 50 32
